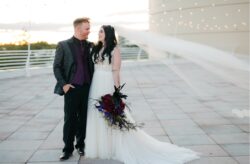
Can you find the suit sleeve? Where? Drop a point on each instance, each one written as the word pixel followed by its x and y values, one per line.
pixel 58 65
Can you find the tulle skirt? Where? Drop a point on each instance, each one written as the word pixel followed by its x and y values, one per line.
pixel 129 147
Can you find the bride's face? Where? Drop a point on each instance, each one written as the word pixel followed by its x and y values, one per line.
pixel 101 35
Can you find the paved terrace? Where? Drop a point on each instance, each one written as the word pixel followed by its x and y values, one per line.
pixel 31 116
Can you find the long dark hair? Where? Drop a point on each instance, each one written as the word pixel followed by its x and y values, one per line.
pixel 110 43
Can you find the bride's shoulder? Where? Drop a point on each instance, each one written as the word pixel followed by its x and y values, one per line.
pixel 116 50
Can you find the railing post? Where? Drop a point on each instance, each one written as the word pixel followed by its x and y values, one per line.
pixel 139 54
pixel 27 66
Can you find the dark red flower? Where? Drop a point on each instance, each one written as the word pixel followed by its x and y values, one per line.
pixel 112 107
pixel 107 102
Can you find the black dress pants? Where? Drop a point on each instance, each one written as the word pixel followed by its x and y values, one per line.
pixel 75 117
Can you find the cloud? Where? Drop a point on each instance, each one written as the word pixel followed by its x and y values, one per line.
pixel 57 26
pixel 34 26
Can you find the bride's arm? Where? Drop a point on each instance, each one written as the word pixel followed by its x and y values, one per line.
pixel 116 65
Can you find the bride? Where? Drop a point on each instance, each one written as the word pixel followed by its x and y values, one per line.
pixel 105 142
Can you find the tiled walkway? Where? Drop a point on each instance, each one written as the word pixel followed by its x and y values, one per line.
pixel 31 116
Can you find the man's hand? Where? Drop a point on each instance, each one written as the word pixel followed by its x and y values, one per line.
pixel 66 87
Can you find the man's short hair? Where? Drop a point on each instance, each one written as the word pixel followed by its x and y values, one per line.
pixel 79 21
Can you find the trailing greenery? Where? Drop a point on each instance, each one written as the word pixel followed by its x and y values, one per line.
pixel 33 46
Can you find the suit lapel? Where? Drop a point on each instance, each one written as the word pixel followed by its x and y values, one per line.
pixel 72 49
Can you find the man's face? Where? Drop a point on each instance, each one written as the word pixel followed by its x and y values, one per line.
pixel 84 30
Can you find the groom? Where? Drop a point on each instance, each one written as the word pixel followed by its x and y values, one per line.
pixel 73 69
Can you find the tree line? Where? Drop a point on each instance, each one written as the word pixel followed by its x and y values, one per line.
pixel 24 46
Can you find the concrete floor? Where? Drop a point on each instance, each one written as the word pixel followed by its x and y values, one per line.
pixel 31 116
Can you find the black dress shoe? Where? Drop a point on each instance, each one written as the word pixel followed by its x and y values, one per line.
pixel 81 151
pixel 65 156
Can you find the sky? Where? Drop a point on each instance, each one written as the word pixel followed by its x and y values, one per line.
pixel 51 20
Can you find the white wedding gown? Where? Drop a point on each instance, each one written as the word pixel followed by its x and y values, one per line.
pixel 129 147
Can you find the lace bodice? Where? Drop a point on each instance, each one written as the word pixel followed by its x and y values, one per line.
pixel 104 64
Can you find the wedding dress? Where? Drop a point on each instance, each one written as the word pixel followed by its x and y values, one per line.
pixel 129 147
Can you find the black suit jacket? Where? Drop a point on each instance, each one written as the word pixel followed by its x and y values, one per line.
pixel 64 66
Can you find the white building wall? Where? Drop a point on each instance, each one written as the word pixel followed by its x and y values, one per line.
pixel 223 24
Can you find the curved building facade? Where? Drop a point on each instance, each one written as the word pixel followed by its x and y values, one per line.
pixel 223 24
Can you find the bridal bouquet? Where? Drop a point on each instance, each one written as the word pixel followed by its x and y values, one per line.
pixel 112 107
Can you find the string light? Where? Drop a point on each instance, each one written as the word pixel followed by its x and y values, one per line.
pixel 205 21
pixel 244 23
pixel 180 22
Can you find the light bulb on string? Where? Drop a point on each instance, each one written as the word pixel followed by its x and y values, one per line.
pixel 244 23
pixel 180 22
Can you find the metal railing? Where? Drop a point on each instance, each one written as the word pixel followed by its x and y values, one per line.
pixel 19 59
pixel 24 59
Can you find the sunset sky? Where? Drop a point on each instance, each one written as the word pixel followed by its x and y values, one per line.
pixel 51 20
